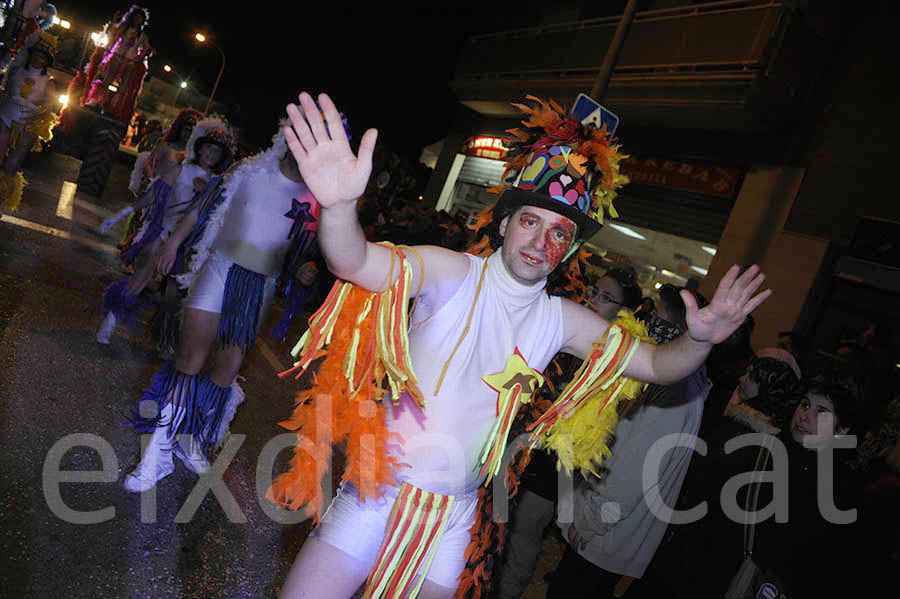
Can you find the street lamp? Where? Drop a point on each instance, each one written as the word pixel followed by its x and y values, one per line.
pixel 181 86
pixel 202 39
pixel 167 69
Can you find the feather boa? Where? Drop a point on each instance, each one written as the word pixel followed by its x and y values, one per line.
pixel 580 439
pixel 267 160
pixel 756 420
pixel 11 188
pixel 360 337
pixel 137 173
pixel 41 126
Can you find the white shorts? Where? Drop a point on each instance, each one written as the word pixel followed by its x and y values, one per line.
pixel 358 529
pixel 208 289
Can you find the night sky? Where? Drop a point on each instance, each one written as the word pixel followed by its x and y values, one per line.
pixel 387 67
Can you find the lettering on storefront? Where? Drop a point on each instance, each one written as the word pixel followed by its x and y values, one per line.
pixel 484 146
pixel 684 175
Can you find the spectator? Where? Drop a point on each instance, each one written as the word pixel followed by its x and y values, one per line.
pixel 807 555
pixel 767 393
pixel 616 529
pixel 616 290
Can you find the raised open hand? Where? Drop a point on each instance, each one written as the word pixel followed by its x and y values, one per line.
pixel 326 162
pixel 729 307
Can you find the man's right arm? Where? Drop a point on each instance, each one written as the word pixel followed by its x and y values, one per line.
pixel 337 178
pixel 371 266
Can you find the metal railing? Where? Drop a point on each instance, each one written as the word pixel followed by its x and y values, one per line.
pixel 721 41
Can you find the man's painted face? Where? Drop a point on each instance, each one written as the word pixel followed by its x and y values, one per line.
pixel 535 241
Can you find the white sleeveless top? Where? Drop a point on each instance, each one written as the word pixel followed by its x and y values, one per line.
pixel 443 444
pixel 255 232
pixel 26 89
pixel 182 194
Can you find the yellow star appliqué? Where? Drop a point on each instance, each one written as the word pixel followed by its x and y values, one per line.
pixel 514 386
pixel 517 372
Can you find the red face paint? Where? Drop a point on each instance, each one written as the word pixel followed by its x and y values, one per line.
pixel 536 243
pixel 558 237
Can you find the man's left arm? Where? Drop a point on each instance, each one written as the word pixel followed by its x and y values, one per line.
pixel 665 364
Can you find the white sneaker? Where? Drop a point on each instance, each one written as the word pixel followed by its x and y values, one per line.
pixel 106 328
pixel 156 464
pixel 145 478
pixel 193 459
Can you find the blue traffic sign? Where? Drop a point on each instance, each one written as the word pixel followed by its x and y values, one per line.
pixel 589 111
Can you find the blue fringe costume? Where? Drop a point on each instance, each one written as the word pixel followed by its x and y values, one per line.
pixel 209 198
pixel 124 305
pixel 241 307
pixel 204 403
pixel 162 192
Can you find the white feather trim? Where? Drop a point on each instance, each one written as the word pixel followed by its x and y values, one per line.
pixel 756 420
pixel 137 174
pixel 201 129
pixel 235 399
pixel 266 160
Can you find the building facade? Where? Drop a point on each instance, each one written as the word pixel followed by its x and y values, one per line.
pixel 757 132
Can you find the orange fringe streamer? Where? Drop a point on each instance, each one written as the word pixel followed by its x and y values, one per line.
pixel 360 337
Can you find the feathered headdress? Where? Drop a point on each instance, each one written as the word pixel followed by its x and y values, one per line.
pixel 212 130
pixel 562 164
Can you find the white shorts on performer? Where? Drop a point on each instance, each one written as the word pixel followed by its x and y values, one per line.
pixel 358 529
pixel 208 289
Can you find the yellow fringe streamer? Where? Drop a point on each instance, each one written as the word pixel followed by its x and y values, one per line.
pixel 11 188
pixel 41 126
pixel 515 385
pixel 358 339
pixel 580 437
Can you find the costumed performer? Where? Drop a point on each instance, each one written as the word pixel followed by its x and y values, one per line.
pixel 481 332
pixel 161 150
pixel 246 221
pixel 209 152
pixel 22 28
pixel 25 118
pixel 123 65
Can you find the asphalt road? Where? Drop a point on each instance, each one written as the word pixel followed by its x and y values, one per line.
pixel 61 391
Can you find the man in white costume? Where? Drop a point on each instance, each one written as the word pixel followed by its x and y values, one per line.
pixel 500 305
pixel 238 234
